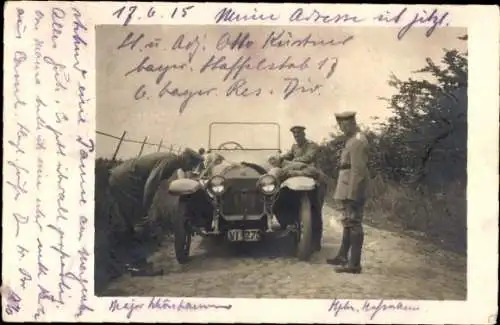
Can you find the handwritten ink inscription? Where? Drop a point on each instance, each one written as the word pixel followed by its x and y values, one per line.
pixel 13 300
pixel 131 306
pixel 432 18
pixel 372 309
pixel 20 58
pixel 129 13
pixel 17 175
pixel 230 63
pixel 39 148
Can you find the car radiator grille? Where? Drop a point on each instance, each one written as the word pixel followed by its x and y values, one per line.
pixel 242 198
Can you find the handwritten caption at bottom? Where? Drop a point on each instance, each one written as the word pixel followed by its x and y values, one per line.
pixel 129 307
pixel 371 308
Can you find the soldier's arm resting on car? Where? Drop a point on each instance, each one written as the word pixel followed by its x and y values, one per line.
pixel 294 165
pixel 310 154
pixel 359 160
pixel 287 155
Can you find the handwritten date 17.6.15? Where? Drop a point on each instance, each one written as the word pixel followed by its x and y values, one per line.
pixel 128 13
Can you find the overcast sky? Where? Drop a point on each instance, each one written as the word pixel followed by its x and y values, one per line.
pixel 363 66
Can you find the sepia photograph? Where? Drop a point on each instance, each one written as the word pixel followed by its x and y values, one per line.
pixel 306 162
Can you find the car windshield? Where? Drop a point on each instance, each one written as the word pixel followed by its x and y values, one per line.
pixel 245 142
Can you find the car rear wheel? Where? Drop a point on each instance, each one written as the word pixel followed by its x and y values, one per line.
pixel 182 235
pixel 304 234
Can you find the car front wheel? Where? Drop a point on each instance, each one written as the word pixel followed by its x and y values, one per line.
pixel 304 235
pixel 182 235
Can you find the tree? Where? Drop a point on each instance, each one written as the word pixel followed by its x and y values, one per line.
pixel 427 135
pixel 426 138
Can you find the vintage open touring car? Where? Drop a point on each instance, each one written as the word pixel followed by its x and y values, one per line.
pixel 236 196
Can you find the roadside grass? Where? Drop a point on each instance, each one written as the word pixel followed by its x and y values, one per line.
pixel 436 216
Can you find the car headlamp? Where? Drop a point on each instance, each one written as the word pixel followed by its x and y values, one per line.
pixel 268 184
pixel 216 185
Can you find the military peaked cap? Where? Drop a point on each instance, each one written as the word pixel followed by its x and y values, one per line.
pixel 297 128
pixel 345 115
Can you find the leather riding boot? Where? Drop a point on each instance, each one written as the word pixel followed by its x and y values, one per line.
pixel 357 239
pixel 317 240
pixel 345 244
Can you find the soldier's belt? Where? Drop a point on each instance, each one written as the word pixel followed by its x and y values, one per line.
pixel 345 166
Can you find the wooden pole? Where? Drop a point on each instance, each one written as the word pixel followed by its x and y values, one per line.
pixel 142 146
pixel 119 145
pixel 171 149
pixel 159 145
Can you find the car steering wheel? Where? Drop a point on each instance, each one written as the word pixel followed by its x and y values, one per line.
pixel 227 145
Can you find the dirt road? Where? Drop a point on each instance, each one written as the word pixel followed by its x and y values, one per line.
pixel 394 267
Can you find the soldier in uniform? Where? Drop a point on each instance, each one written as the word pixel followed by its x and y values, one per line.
pixel 132 186
pixel 302 151
pixel 351 193
pixel 300 157
pixel 134 183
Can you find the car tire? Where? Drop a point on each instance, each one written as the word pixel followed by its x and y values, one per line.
pixel 305 230
pixel 182 235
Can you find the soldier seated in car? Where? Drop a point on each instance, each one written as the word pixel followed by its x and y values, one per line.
pixel 303 151
pixel 300 160
pixel 301 155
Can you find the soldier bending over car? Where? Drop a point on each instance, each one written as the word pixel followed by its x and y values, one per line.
pixel 134 183
pixel 300 160
pixel 350 192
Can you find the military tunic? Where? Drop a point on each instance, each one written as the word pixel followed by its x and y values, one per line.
pixel 134 182
pixel 353 177
pixel 305 154
pixel 353 169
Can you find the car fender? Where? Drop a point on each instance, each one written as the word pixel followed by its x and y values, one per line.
pixel 183 186
pixel 299 183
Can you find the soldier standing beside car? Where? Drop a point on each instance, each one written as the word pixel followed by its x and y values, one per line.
pixel 351 193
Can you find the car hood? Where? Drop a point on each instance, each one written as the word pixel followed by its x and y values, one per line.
pixel 241 164
pixel 237 170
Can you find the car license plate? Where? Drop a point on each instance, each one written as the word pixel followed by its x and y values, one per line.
pixel 243 235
